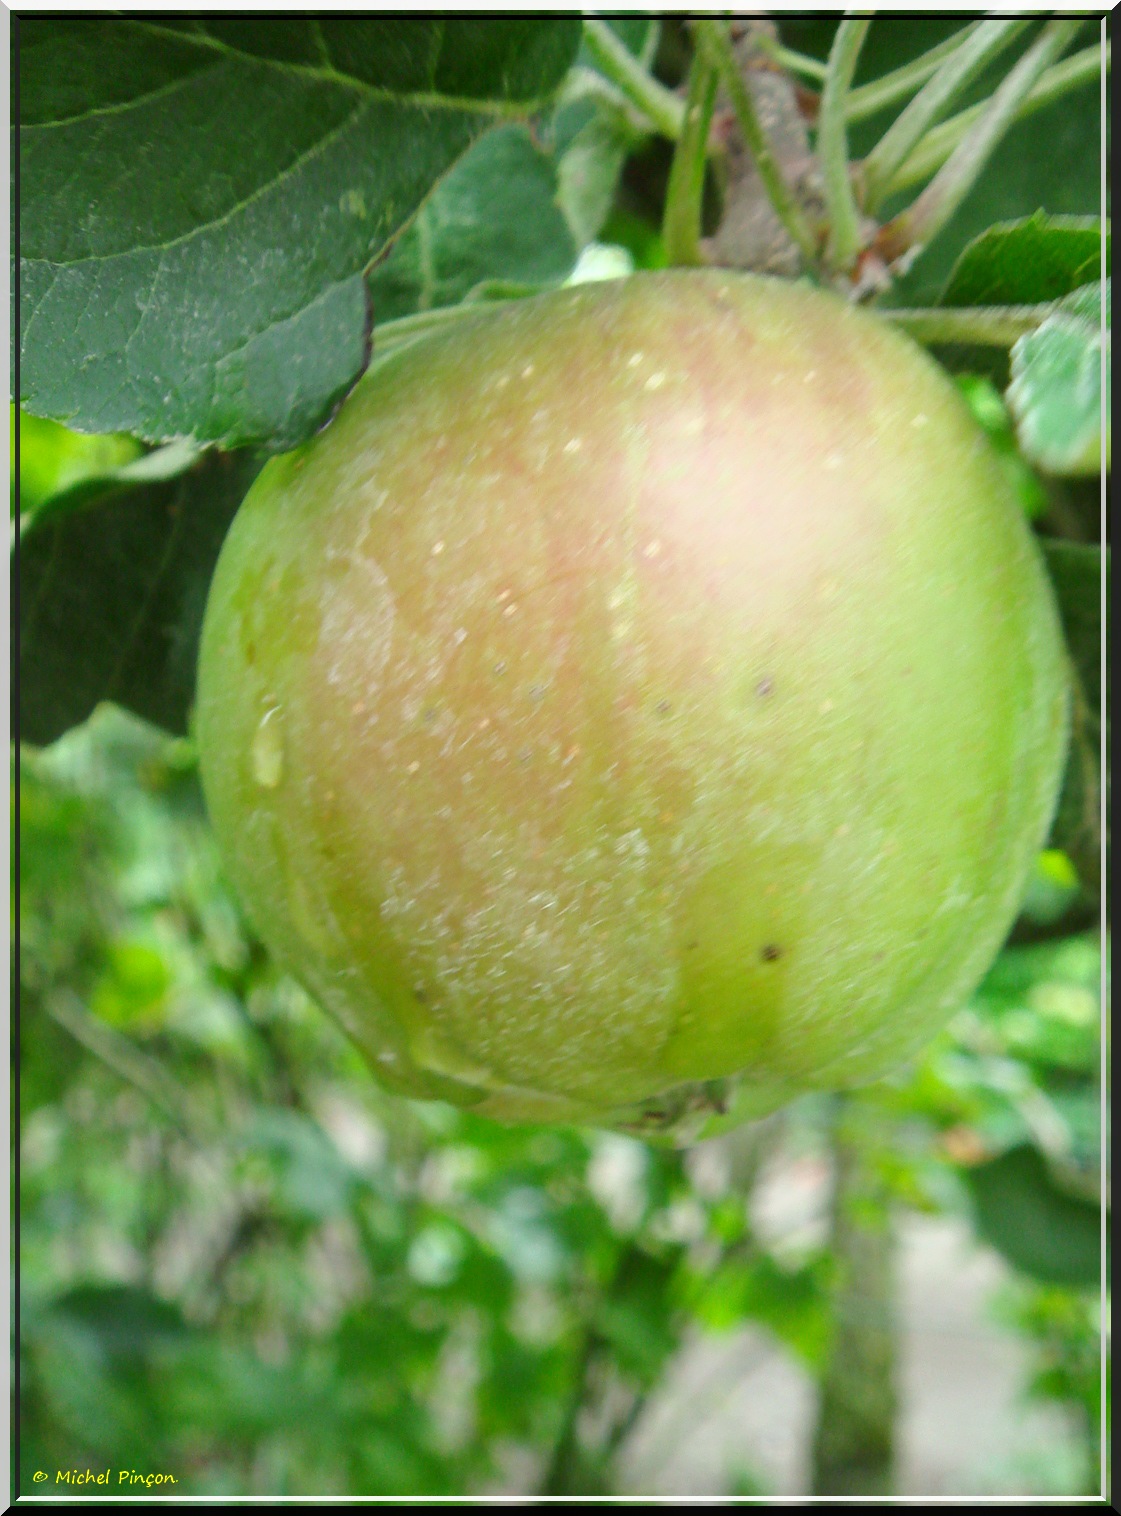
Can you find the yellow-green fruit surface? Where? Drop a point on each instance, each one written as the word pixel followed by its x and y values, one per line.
pixel 642 702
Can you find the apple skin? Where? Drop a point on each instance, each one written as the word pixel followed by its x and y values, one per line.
pixel 643 703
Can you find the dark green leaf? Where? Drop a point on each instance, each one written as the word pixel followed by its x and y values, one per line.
pixel 1076 574
pixel 113 579
pixel 1056 389
pixel 495 217
pixel 200 199
pixel 1038 1227
pixel 1076 571
pixel 1028 262
pixel 126 1321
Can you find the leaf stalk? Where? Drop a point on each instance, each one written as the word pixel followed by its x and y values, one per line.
pixel 832 143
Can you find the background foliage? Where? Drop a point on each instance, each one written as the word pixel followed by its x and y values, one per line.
pixel 240 1262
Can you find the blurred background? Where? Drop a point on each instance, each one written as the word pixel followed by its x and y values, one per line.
pixel 242 1265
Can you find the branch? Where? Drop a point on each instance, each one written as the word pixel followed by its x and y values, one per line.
pixel 832 144
pixel 922 221
pixel 713 39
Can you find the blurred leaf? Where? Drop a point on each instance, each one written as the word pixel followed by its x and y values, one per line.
pixel 1053 889
pixel 202 195
pixel 792 1302
pixel 113 584
pixel 639 34
pixel 1056 395
pixel 594 130
pixel 134 985
pixel 494 217
pixel 52 459
pixel 635 1318
pixel 1028 262
pixel 313 1181
pixel 1076 574
pixel 989 409
pixel 597 136
pixel 640 238
pixel 1038 1227
pixel 125 1321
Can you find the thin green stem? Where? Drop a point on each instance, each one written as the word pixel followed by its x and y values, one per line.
pixel 660 106
pixel 948 81
pixel 795 63
pixel 974 326
pixel 712 37
pixel 868 99
pixel 922 221
pixel 832 143
pixel 938 145
pixel 681 225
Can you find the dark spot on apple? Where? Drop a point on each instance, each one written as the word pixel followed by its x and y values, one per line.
pixel 421 995
pixel 662 707
pixel 537 692
pixel 765 687
pixel 770 952
pixel 500 666
pixel 692 944
pixel 250 653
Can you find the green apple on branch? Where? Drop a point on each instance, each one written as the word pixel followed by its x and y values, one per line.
pixel 643 703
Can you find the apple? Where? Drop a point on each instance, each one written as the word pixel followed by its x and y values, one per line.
pixel 643 703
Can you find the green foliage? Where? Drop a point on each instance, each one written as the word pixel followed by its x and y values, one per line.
pixel 52 459
pixel 1049 1234
pixel 216 290
pixel 1077 575
pixel 1056 390
pixel 113 583
pixel 494 217
pixel 1028 262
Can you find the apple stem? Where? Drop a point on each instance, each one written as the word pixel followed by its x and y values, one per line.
pixel 832 143
pixel 712 37
pixel 913 228
pixel 681 225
